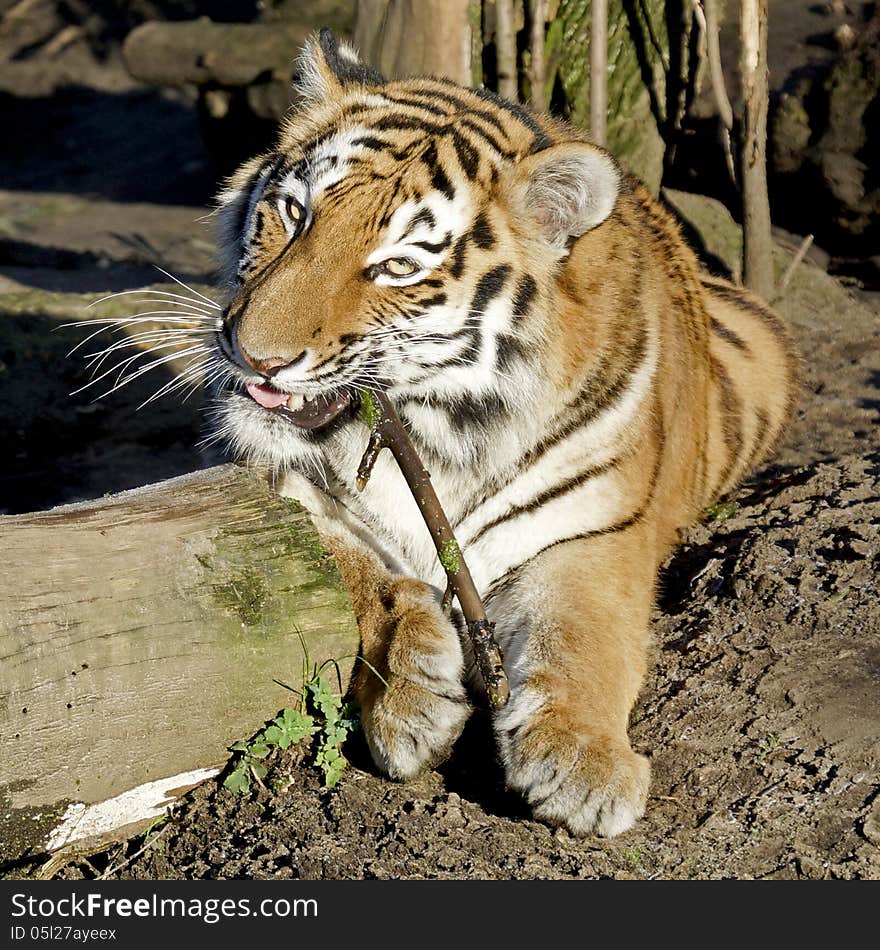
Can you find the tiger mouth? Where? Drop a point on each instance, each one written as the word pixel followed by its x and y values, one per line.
pixel 305 412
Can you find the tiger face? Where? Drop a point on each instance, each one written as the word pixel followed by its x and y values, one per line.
pixel 402 236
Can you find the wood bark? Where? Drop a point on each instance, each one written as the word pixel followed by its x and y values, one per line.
pixel 599 71
pixel 141 635
pixel 537 40
pixel 707 15
pixel 420 37
pixel 505 49
pixel 757 240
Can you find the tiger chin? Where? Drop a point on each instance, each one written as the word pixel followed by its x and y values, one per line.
pixel 578 388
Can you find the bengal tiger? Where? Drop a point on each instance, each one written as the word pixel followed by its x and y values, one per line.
pixel 578 388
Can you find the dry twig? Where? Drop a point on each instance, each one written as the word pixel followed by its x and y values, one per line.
pixel 793 266
pixel 387 431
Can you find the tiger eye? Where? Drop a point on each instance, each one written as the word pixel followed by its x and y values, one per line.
pixel 400 267
pixel 293 209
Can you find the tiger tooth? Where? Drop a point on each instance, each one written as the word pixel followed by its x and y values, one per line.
pixel 295 402
pixel 308 398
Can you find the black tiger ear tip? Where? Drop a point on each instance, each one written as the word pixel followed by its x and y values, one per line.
pixel 344 62
pixel 329 44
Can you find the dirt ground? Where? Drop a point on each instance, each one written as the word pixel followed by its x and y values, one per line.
pixel 761 713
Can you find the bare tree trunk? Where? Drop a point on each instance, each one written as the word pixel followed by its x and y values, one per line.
pixel 505 47
pixel 538 69
pixel 599 71
pixel 421 38
pixel 757 241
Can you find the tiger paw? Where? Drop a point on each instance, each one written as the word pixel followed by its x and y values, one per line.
pixel 412 719
pixel 588 784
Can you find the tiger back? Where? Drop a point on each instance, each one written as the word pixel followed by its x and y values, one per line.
pixel 579 389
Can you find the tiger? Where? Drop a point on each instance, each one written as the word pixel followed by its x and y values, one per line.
pixel 578 387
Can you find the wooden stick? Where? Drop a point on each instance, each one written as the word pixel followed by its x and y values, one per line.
pixel 599 72
pixel 387 431
pixel 793 266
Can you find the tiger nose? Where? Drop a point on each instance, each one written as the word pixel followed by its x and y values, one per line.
pixel 271 365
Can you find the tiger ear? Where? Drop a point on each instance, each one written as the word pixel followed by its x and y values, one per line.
pixel 567 189
pixel 326 66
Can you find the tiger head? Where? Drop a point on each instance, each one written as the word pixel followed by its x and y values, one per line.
pixel 410 236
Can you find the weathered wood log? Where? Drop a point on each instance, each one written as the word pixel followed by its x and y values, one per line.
pixel 142 634
pixel 200 51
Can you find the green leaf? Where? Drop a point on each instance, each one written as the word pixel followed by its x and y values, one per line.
pixel 240 746
pixel 239 779
pixel 259 750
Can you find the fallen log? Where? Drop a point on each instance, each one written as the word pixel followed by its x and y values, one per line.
pixel 140 635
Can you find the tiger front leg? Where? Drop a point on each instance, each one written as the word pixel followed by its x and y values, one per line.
pixel 576 657
pixel 409 683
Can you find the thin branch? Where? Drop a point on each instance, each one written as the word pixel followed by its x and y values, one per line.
pixel 387 431
pixel 505 49
pixel 599 71
pixel 537 39
pixel 757 240
pixel 706 13
pixel 793 266
pixel 148 843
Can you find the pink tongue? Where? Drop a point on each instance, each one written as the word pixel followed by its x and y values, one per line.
pixel 266 396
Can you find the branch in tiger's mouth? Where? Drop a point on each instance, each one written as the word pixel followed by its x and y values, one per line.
pixel 309 414
pixel 387 431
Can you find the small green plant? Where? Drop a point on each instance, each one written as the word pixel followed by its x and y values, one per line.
pixel 632 855
pixel 321 715
pixel 766 747
pixel 721 512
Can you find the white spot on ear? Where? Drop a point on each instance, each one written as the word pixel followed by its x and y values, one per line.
pixel 571 190
pixel 349 53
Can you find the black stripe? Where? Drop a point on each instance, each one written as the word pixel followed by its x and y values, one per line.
pixel 488 287
pixel 465 413
pixel 741 299
pixel 439 179
pixel 526 289
pixel 541 140
pixel 369 141
pixel 435 247
pixel 456 263
pixel 731 421
pixel 408 100
pixel 246 193
pixel 636 518
pixel 468 157
pixel 557 491
pixel 422 216
pixel 595 396
pixel 481 232
pixel 725 333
